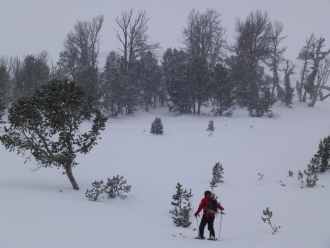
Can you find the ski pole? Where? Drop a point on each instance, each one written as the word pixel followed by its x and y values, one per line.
pixel 197 226
pixel 220 224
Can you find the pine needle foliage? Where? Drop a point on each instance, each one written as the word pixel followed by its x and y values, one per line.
pixel 45 126
pixel 321 159
pixel 217 172
pixel 2 109
pixel 93 194
pixel 311 177
pixel 115 187
pixel 182 206
pixel 266 219
pixel 210 127
pixel 157 127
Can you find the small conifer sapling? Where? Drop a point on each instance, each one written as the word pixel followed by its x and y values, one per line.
pixel 266 219
pixel 210 126
pixel 117 187
pixel 311 177
pixel 94 193
pixel 182 206
pixel 157 127
pixel 217 172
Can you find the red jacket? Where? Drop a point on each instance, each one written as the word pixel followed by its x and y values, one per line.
pixel 205 205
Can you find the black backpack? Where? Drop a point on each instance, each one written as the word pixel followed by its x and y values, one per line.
pixel 213 206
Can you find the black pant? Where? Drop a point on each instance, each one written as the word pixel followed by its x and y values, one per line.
pixel 209 221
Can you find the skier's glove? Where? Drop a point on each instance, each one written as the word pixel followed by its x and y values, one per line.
pixel 196 214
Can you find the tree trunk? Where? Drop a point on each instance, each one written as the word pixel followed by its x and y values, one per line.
pixel 68 170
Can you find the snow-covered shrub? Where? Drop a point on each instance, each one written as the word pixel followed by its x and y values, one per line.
pixel 290 173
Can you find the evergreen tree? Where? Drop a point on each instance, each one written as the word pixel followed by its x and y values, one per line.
pixel 117 187
pixel 320 161
pixel 46 126
pixel 222 88
pixel 31 74
pixel 4 84
pixel 157 127
pixel 2 108
pixel 317 57
pixel 217 172
pixel 174 76
pixel 253 46
pixel 149 81
pixel 88 78
pixel 213 184
pixel 93 194
pixel 182 206
pixel 311 177
pixel 210 127
pixel 198 82
pixel 113 92
pixel 129 82
pixel 287 95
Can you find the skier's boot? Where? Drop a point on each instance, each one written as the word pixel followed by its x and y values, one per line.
pixel 211 237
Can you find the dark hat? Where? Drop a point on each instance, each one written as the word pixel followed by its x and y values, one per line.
pixel 207 192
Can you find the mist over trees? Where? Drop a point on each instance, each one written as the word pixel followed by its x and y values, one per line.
pixel 250 71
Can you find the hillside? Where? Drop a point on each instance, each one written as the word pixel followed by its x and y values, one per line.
pixel 35 214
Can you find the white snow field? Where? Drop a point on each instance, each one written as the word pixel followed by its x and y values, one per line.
pixel 35 214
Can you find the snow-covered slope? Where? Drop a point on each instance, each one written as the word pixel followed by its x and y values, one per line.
pixel 35 214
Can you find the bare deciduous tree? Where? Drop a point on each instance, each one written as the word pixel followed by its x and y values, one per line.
pixel 133 35
pixel 276 55
pixel 204 36
pixel 321 79
pixel 81 46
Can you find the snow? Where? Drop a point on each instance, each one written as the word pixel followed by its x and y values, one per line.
pixel 34 213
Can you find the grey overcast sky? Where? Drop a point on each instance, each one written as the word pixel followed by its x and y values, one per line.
pixel 30 26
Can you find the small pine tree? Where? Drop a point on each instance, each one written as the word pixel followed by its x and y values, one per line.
pixel 157 127
pixel 116 187
pixel 290 173
pixel 94 193
pixel 210 126
pixel 217 172
pixel 300 177
pixel 2 108
pixel 182 206
pixel 268 215
pixel 321 158
pixel 311 177
pixel 213 184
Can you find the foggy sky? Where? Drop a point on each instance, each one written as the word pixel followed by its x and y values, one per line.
pixel 30 26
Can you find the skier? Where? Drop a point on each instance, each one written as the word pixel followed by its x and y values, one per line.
pixel 208 217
